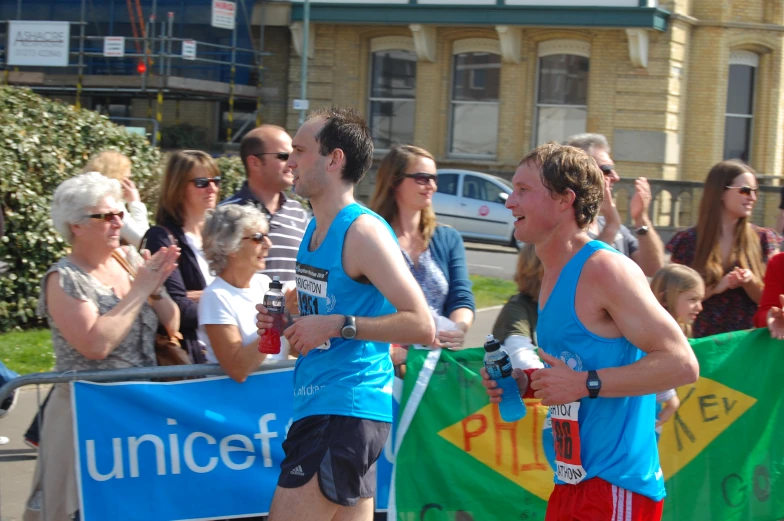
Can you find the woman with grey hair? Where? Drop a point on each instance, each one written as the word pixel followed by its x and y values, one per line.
pixel 100 318
pixel 235 245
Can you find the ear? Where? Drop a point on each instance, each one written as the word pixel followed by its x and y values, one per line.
pixel 337 160
pixel 566 199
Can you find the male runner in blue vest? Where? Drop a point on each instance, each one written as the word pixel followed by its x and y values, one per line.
pixel 356 295
pixel 608 345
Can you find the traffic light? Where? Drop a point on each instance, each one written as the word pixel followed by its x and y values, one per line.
pixel 141 68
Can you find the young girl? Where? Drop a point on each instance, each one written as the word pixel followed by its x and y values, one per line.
pixel 680 290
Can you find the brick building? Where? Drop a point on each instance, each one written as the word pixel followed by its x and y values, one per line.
pixel 676 85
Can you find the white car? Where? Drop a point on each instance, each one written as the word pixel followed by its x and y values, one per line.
pixel 473 204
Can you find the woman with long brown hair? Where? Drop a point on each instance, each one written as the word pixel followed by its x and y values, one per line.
pixel 727 250
pixel 405 183
pixel 189 189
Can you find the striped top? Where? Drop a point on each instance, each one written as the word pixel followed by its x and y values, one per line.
pixel 286 229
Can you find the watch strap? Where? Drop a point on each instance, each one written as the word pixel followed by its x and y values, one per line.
pixel 593 392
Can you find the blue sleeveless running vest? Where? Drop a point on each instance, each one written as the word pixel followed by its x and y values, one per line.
pixel 609 438
pixel 347 377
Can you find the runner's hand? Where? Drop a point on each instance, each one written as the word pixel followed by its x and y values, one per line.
pixel 312 331
pixel 450 339
pixel 495 392
pixel 557 384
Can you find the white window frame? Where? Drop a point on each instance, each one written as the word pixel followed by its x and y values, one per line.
pixel 470 45
pixel 549 48
pixel 751 59
pixel 386 43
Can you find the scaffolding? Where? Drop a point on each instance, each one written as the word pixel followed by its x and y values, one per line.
pixel 151 64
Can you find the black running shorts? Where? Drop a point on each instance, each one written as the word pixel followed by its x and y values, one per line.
pixel 343 451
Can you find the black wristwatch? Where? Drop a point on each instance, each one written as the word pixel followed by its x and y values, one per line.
pixel 593 384
pixel 349 329
pixel 642 230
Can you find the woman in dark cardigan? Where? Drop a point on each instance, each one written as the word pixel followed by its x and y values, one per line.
pixel 189 189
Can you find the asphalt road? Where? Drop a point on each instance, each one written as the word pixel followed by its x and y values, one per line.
pixel 490 260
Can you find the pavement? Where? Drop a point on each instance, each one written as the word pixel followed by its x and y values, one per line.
pixel 17 461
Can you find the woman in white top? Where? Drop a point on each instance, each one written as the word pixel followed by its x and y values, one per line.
pixel 115 165
pixel 235 244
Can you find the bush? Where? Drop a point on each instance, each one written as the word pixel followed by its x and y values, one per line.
pixel 44 142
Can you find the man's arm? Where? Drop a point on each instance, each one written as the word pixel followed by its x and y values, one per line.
pixel 612 219
pixel 627 298
pixel 371 252
pixel 650 255
pixel 622 291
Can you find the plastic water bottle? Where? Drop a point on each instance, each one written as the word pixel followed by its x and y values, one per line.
pixel 274 301
pixel 499 367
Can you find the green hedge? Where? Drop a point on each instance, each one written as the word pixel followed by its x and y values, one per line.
pixel 42 143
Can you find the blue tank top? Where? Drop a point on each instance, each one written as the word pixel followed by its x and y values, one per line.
pixel 609 438
pixel 343 377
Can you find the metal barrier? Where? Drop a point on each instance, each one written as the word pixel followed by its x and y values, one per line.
pixel 135 373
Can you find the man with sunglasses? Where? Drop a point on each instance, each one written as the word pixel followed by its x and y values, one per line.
pixel 264 152
pixel 643 246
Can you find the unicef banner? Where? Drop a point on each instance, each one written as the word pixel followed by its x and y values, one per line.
pixel 200 449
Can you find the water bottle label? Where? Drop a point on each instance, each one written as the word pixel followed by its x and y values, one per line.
pixel 500 368
pixel 273 303
pixel 566 437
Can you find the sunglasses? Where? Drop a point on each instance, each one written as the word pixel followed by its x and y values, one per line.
pixel 108 216
pixel 607 169
pixel 202 182
pixel 283 156
pixel 744 190
pixel 257 237
pixel 422 178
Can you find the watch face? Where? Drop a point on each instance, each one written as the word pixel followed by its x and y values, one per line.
pixel 593 384
pixel 348 332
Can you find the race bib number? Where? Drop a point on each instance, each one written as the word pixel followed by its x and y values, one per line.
pixel 311 288
pixel 566 438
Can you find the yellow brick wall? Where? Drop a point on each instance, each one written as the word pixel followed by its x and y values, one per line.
pixel 681 94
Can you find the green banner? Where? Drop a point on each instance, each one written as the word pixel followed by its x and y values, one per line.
pixel 721 453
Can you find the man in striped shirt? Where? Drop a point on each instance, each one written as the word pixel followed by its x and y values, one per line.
pixel 265 152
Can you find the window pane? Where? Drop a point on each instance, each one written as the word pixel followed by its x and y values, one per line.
pixel 476 77
pixel 737 137
pixel 447 184
pixel 478 188
pixel 474 129
pixel 394 74
pixel 740 94
pixel 558 123
pixel 563 79
pixel 391 122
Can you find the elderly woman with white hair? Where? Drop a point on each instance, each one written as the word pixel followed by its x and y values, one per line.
pixel 235 245
pixel 100 318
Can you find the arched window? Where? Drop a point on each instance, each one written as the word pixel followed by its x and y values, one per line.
pixel 476 78
pixel 562 89
pixel 739 115
pixel 392 91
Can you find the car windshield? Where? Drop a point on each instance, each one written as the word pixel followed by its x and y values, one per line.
pixel 506 183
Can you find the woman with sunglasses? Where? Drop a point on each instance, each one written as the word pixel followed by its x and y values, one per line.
pixel 100 318
pixel 727 250
pixel 189 189
pixel 236 245
pixel 405 184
